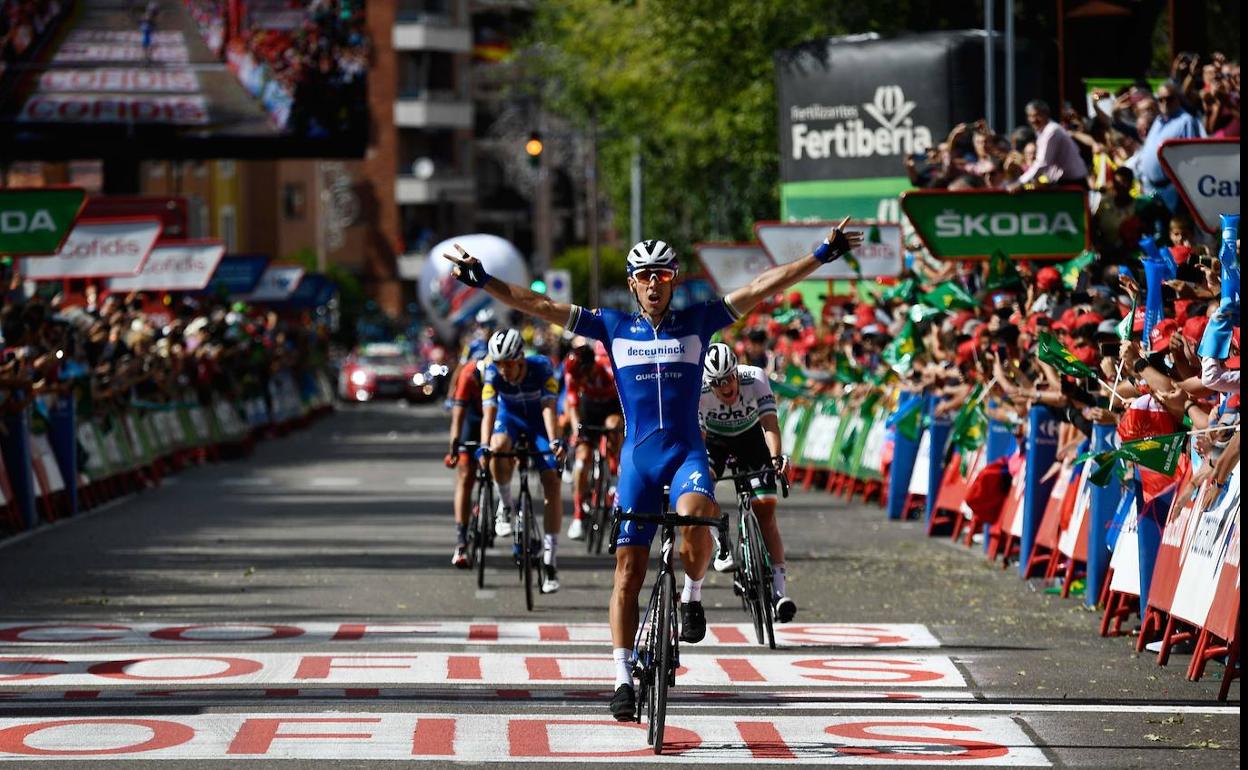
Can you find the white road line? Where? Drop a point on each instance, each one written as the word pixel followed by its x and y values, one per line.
pixel 440 737
pixel 335 482
pixel 248 481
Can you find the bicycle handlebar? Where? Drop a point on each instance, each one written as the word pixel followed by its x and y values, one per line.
pixel 783 479
pixel 667 520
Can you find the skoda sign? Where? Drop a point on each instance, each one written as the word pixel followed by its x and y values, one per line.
pixel 972 224
pixel 36 221
pixel 1206 173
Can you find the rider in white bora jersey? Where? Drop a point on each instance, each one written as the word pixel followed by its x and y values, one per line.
pixel 657 357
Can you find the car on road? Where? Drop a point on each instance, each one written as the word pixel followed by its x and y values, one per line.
pixel 387 370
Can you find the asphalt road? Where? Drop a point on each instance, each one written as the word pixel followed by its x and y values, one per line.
pixel 299 609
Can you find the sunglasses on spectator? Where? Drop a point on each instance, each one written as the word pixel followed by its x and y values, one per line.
pixel 660 275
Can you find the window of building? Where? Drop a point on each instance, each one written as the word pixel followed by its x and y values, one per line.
pixel 294 200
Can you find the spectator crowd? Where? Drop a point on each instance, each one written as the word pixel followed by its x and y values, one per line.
pixel 112 358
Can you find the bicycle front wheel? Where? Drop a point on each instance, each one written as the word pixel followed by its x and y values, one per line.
pixel 483 530
pixel 760 568
pixel 665 670
pixel 526 553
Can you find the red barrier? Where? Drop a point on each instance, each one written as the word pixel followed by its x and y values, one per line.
pixel 1043 560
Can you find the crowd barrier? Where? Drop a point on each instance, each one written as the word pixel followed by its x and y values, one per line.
pixel 1172 563
pixel 56 463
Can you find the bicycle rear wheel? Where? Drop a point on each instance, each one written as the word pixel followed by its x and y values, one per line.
pixel 599 511
pixel 761 568
pixel 665 665
pixel 480 529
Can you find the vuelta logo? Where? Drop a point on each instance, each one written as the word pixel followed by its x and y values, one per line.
pixel 890 131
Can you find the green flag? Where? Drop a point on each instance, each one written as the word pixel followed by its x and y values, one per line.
pixel 1050 351
pixel 845 371
pixel 950 296
pixel 899 354
pixel 1126 325
pixel 1070 270
pixel 1158 453
pixel 920 313
pixel 910 424
pixel 1002 273
pixel 794 375
pixel 903 290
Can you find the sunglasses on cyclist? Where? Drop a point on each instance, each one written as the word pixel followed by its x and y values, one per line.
pixel 722 381
pixel 660 275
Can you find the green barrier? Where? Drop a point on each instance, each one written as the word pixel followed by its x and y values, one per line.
pixel 820 435
pixel 793 429
pixel 817 434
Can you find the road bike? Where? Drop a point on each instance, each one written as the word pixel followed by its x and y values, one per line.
pixel 601 488
pixel 753 579
pixel 656 647
pixel 525 530
pixel 481 519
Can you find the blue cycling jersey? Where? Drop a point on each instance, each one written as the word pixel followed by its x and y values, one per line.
pixel 658 371
pixel 521 400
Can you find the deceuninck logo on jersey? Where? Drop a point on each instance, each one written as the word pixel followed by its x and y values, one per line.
pixel 684 350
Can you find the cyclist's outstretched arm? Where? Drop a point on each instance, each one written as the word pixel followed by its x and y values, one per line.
pixel 469 270
pixel 781 277
pixel 771 433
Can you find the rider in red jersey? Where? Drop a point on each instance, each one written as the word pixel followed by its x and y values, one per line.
pixel 592 401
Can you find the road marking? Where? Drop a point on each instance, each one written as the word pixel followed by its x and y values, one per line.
pixel 486 593
pixel 335 481
pixel 247 481
pixel 682 697
pixel 485 631
pixel 429 482
pixel 812 670
pixel 441 737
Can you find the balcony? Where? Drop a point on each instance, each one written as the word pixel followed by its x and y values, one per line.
pixel 431 109
pixel 422 31
pixel 450 186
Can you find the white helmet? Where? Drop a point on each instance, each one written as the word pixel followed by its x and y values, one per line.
pixel 652 254
pixel 720 361
pixel 506 345
pixel 485 316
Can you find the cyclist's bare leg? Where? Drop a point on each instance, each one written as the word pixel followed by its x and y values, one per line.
pixel 695 542
pixel 501 467
pixel 552 487
pixel 580 475
pixel 614 425
pixel 465 473
pixel 765 510
pixel 630 572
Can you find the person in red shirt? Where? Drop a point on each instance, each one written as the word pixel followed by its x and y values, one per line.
pixel 593 406
pixel 465 428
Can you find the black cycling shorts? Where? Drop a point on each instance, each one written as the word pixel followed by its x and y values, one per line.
pixel 750 454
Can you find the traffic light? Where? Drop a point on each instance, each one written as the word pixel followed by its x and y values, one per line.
pixel 533 148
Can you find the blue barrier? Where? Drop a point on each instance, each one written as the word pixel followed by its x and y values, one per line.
pixel 902 466
pixel 1148 530
pixel 1042 434
pixel 939 437
pixel 15 445
pixel 1104 505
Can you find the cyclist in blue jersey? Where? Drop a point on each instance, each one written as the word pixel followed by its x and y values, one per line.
pixel 657 354
pixel 518 401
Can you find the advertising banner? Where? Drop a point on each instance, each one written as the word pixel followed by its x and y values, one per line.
pixel 732 265
pixel 276 284
pixel 237 274
pixel 37 221
pixel 174 266
pixel 314 290
pixel 880 255
pixel 972 224
pixel 98 248
pixel 1206 174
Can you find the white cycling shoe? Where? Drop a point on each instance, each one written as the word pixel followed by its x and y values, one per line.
pixel 576 530
pixel 551 584
pixel 502 522
pixel 724 562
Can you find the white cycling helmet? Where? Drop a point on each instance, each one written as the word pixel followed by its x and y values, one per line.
pixel 506 345
pixel 720 361
pixel 650 255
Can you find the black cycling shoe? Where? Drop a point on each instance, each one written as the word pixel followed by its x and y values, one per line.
pixel 624 703
pixel 692 622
